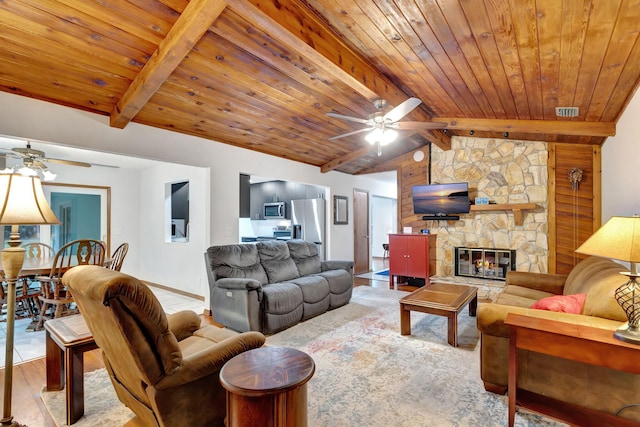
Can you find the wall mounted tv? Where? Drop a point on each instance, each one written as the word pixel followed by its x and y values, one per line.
pixel 438 201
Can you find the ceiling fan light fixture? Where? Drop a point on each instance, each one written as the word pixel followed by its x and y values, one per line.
pixel 48 175
pixel 26 171
pixel 381 136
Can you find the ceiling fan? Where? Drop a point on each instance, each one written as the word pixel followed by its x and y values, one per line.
pixel 33 161
pixel 383 127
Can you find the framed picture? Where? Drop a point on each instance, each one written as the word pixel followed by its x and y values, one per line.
pixel 340 210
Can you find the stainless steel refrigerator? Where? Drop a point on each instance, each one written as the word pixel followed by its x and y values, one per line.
pixel 308 222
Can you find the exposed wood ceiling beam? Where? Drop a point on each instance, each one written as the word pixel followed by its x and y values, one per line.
pixel 561 127
pixel 389 165
pixel 308 37
pixel 190 26
pixel 336 163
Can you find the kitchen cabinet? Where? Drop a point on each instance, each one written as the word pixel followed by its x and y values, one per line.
pixel 278 191
pixel 412 255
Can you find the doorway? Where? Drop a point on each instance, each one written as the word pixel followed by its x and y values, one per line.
pixel 384 221
pixel 361 240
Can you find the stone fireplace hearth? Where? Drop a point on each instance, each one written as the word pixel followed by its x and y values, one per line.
pixel 504 171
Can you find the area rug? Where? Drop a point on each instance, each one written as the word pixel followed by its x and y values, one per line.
pixel 384 272
pixel 101 405
pixel 367 374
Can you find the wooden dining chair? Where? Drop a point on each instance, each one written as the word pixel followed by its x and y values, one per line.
pixel 118 257
pixel 56 300
pixel 27 292
pixel 38 250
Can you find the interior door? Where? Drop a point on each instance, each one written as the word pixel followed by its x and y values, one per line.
pixel 361 231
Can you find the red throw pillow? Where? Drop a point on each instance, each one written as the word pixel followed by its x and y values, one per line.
pixel 562 303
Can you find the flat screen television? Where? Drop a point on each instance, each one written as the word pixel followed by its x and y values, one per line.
pixel 441 199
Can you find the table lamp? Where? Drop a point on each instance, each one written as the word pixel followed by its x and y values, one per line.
pixel 619 239
pixel 22 202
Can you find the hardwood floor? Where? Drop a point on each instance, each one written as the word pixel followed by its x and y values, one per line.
pixel 29 377
pixel 28 380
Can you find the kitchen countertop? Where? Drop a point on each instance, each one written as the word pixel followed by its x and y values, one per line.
pixel 249 239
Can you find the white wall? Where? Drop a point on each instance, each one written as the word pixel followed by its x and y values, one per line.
pixel 172 263
pixel 125 204
pixel 27 118
pixel 621 165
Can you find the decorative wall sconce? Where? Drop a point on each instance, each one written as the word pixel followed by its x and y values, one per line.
pixel 575 176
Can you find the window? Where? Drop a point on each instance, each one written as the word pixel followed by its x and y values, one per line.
pixel 83 211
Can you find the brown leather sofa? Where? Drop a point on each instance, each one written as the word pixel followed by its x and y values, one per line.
pixel 164 368
pixel 594 387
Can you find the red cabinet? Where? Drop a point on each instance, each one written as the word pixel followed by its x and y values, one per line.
pixel 412 255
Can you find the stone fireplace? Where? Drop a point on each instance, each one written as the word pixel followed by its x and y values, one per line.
pixel 484 263
pixel 505 172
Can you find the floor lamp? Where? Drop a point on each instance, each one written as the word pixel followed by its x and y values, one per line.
pixel 22 202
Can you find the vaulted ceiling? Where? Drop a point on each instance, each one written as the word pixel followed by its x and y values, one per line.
pixel 263 74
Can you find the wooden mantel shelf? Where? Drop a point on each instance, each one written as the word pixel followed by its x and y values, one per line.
pixel 517 209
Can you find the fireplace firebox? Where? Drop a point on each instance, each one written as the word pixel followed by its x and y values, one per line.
pixel 486 263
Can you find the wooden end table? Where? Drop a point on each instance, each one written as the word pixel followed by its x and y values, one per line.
pixel 571 341
pixel 441 299
pixel 267 386
pixel 67 340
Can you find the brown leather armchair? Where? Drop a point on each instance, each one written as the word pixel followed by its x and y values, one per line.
pixel 164 368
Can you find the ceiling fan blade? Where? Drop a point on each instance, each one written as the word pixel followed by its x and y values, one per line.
pixel 348 118
pixel 68 162
pixel 9 155
pixel 402 110
pixel 39 164
pixel 350 133
pixel 105 166
pixel 417 125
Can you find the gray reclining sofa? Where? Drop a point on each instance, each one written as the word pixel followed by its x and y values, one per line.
pixel 272 285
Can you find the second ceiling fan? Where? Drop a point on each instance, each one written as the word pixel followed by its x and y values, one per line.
pixel 383 127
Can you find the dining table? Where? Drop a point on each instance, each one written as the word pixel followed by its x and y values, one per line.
pixel 33 267
pixel 41 266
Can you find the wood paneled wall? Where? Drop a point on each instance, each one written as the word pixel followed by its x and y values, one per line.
pixel 574 214
pixel 411 173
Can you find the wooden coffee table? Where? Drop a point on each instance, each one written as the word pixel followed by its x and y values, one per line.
pixel 441 299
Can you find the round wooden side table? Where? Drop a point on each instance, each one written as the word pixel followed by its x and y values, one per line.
pixel 267 386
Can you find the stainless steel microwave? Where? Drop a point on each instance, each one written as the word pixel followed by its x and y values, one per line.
pixel 274 210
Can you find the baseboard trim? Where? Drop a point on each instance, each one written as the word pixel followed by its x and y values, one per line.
pixel 174 290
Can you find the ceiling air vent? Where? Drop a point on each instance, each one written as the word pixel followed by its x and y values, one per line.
pixel 567 111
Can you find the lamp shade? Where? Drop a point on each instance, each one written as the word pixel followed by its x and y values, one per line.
pixel 618 239
pixel 22 201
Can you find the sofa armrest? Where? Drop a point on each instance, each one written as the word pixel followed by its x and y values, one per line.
pixel 490 318
pixel 236 303
pixel 337 265
pixel 233 283
pixel 552 283
pixel 183 323
pixel 211 359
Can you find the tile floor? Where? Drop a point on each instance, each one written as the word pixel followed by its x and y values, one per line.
pixel 30 345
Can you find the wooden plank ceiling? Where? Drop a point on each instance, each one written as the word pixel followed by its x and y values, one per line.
pixel 263 74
